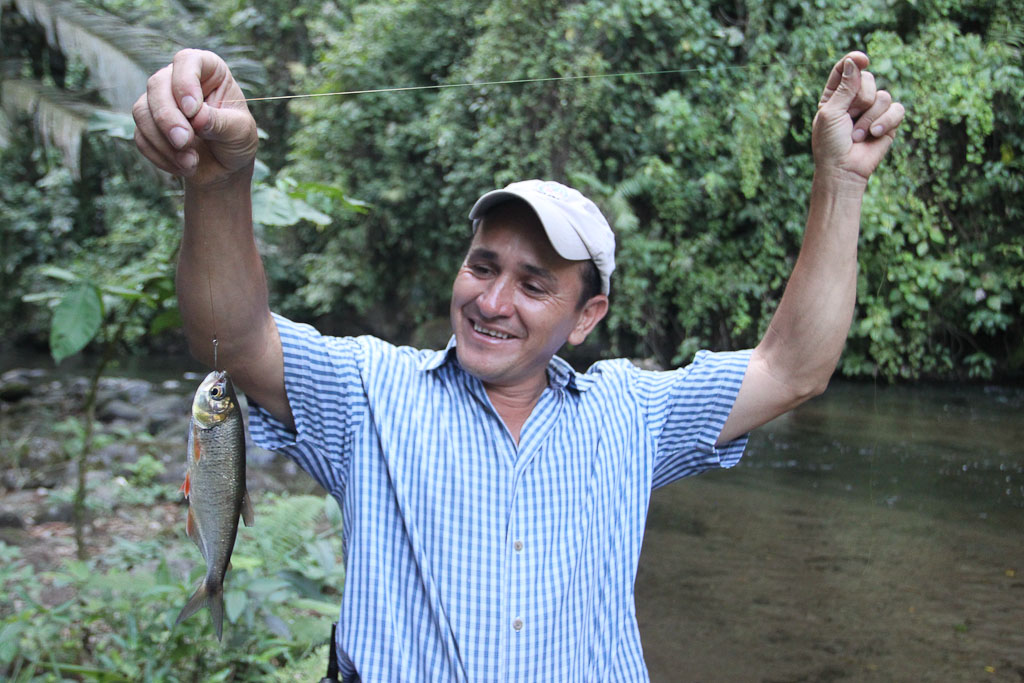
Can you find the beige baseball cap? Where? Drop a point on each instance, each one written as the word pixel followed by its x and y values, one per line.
pixel 576 227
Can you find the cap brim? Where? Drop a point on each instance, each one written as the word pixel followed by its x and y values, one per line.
pixel 560 231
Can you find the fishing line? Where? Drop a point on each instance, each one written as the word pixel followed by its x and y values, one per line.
pixel 513 81
pixel 209 288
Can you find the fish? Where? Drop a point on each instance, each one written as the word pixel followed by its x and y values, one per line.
pixel 215 489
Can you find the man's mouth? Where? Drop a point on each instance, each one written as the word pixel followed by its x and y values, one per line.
pixel 490 333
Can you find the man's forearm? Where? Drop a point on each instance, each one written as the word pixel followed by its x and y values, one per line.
pixel 221 284
pixel 807 333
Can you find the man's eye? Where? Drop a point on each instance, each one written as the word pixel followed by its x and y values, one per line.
pixel 479 268
pixel 532 289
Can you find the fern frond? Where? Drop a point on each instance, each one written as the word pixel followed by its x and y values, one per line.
pixel 282 526
pixel 59 118
pixel 120 56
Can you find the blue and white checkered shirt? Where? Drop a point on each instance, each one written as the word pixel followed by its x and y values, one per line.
pixel 469 557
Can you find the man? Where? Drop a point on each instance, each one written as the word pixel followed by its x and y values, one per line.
pixel 494 499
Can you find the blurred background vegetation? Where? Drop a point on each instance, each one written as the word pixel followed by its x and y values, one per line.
pixel 361 206
pixel 704 172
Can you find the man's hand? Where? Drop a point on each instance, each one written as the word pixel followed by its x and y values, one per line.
pixel 192 120
pixel 853 129
pixel 855 123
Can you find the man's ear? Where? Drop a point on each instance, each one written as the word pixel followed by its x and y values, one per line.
pixel 589 316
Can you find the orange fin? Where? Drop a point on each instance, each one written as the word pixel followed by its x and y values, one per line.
pixel 185 486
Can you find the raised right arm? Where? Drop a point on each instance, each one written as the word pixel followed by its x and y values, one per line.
pixel 192 122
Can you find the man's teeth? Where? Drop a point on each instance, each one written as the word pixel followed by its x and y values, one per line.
pixel 490 333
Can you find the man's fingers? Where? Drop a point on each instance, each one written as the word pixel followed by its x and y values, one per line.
pixel 865 125
pixel 162 108
pixel 835 77
pixel 842 98
pixel 864 98
pixel 176 163
pixel 196 73
pixel 888 121
pixel 155 145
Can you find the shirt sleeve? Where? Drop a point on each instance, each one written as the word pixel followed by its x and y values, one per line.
pixel 325 392
pixel 686 410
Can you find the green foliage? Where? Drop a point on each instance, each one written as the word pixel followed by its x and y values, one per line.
pixel 76 320
pixel 704 171
pixel 37 218
pixel 112 618
pixel 941 248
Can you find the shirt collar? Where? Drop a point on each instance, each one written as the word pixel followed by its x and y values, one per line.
pixel 560 373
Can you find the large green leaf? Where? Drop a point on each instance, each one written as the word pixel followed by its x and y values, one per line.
pixel 76 320
pixel 272 206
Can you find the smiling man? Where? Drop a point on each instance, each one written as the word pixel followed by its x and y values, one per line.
pixel 494 499
pixel 526 287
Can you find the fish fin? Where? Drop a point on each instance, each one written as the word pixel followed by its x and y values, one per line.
pixel 185 486
pixel 190 523
pixel 216 603
pixel 198 600
pixel 247 514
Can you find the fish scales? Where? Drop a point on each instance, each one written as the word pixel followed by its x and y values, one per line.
pixel 215 487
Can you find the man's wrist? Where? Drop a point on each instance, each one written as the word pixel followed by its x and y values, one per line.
pixel 239 181
pixel 838 183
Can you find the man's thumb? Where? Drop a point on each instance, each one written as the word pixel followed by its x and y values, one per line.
pixel 225 125
pixel 845 94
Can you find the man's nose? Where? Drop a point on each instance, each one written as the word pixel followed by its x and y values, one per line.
pixel 496 300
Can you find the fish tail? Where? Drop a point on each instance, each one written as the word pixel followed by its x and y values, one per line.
pixel 216 602
pixel 209 595
pixel 194 604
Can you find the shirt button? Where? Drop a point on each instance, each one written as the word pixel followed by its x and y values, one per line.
pixel 518 545
pixel 517 624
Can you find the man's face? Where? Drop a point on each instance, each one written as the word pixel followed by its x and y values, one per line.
pixel 514 302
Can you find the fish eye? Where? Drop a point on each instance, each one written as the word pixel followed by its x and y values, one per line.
pixel 216 392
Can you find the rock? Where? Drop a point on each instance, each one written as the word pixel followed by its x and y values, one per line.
pixel 37 462
pixel 18 383
pixel 115 453
pixel 11 520
pixel 104 489
pixel 117 409
pixel 125 389
pixel 163 411
pixel 175 433
pixel 55 512
pixel 13 390
pixel 78 387
pixel 25 478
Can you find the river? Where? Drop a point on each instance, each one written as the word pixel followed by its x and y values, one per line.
pixel 874 534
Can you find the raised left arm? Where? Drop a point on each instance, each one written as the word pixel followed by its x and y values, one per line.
pixel 853 129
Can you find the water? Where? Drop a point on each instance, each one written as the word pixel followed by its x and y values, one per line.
pixel 951 451
pixel 874 534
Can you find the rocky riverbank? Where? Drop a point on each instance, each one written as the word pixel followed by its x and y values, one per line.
pixel 138 455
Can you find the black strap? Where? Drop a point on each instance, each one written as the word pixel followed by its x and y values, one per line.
pixel 332 662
